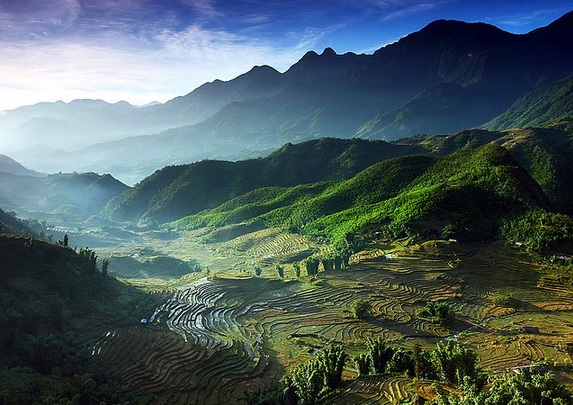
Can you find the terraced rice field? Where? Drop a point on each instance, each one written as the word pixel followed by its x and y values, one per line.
pixel 213 339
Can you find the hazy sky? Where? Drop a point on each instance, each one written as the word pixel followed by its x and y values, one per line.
pixel 145 50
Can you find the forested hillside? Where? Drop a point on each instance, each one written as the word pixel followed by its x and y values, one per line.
pixel 471 194
pixel 177 191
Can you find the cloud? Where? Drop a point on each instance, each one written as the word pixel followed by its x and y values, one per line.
pixel 127 68
pixel 205 7
pixel 409 10
pixel 521 20
pixel 37 18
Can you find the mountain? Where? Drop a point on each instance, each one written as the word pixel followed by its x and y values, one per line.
pixel 82 123
pixel 9 165
pixel 176 191
pixel 65 194
pixel 448 76
pixel 538 108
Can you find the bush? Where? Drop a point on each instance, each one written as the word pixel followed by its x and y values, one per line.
pixel 361 309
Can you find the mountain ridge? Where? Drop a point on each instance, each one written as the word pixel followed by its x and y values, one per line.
pixel 405 87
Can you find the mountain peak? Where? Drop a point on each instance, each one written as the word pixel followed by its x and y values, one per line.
pixel 328 52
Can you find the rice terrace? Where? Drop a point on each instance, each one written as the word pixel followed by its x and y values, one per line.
pixel 224 333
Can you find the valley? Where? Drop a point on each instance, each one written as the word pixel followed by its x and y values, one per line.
pixel 393 228
pixel 223 332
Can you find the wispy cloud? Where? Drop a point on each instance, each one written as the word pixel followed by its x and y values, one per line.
pixel 205 7
pixel 37 18
pixel 409 10
pixel 128 69
pixel 520 20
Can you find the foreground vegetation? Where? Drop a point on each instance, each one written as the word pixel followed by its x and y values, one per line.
pixel 55 300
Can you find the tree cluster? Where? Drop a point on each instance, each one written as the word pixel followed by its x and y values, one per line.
pixel 449 362
pixel 522 389
pixel 309 381
pixel 361 309
pixel 436 312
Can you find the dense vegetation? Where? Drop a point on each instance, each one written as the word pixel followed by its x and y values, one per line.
pixel 538 108
pixel 470 193
pixel 55 300
pixel 176 191
pixel 450 364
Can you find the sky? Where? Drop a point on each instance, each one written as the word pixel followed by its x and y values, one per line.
pixel 154 50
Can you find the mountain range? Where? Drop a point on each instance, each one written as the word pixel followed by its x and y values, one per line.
pixel 447 77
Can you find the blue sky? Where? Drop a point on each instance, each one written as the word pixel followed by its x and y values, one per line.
pixel 145 50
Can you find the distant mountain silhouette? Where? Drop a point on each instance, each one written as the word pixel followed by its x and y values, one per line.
pixel 448 76
pixel 77 194
pixel 9 165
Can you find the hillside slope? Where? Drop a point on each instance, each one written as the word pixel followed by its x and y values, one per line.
pixel 538 108
pixel 56 303
pixel 176 191
pixel 471 191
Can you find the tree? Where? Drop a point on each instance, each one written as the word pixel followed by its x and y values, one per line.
pixel 361 309
pixel 362 363
pixel 522 389
pixel 66 240
pixel 280 270
pixel 337 262
pixel 453 362
pixel 402 361
pixel 104 267
pixel 271 396
pixel 305 381
pixel 423 367
pixel 311 265
pixel 258 271
pixel 379 354
pixel 436 312
pixel 296 268
pixel 331 363
pixel 327 263
pixel 309 380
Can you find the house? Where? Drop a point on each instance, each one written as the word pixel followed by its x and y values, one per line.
pixel 529 369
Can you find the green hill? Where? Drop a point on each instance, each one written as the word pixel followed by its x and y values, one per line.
pixel 546 154
pixel 177 191
pixel 470 193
